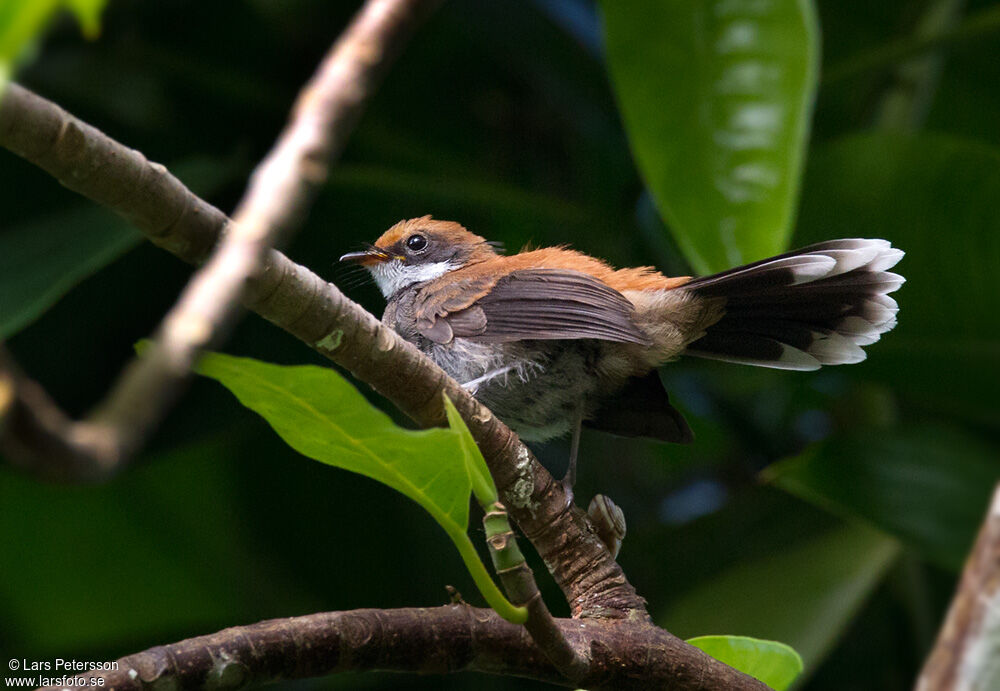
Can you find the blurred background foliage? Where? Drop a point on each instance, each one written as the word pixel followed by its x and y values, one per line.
pixel 829 510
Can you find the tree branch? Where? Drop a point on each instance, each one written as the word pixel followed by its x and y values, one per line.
pixel 280 192
pixel 519 582
pixel 316 312
pixel 33 426
pixel 624 655
pixel 966 655
pixel 905 102
pixel 275 203
pixel 979 25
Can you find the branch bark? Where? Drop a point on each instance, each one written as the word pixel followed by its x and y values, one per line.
pixel 966 656
pixel 33 426
pixel 519 582
pixel 299 301
pixel 624 655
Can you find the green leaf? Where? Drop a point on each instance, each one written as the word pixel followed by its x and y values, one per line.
pixel 21 22
pixel 88 13
pixel 483 486
pixel 42 259
pixel 804 595
pixel 773 663
pixel 716 97
pixel 929 486
pixel 934 197
pixel 323 417
pixel 320 415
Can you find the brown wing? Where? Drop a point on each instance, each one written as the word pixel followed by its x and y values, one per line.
pixel 536 304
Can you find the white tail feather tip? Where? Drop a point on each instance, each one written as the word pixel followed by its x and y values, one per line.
pixel 859 330
pixel 809 267
pixel 848 260
pixel 886 259
pixel 836 350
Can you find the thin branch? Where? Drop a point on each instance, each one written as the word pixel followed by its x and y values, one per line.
pixel 280 192
pixel 519 582
pixel 275 203
pixel 33 426
pixel 979 25
pixel 316 312
pixel 966 655
pixel 625 655
pixel 906 100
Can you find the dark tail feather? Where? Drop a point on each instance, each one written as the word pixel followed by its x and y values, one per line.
pixel 811 307
pixel 642 409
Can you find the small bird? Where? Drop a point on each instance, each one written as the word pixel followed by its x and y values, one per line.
pixel 549 339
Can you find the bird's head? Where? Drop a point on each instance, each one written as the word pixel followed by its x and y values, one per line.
pixel 418 250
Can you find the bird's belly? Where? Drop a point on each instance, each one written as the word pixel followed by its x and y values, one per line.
pixel 466 360
pixel 547 385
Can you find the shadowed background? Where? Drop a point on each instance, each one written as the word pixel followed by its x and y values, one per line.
pixel 828 510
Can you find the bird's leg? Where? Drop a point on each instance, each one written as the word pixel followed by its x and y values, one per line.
pixel 472 386
pixel 569 479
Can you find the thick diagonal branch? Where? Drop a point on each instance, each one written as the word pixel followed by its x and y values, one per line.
pixel 624 655
pixel 316 312
pixel 966 655
pixel 274 204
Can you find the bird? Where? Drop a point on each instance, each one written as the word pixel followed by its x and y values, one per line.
pixel 552 339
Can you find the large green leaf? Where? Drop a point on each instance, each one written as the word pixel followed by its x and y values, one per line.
pixel 22 20
pixel 42 259
pixel 805 595
pixel 935 198
pixel 320 415
pixel 773 663
pixel 928 486
pixel 323 417
pixel 716 96
pixel 480 479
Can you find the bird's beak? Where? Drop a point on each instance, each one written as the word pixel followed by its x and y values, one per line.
pixel 366 257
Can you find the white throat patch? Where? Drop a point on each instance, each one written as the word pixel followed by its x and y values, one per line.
pixel 394 275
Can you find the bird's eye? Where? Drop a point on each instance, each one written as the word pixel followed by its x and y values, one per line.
pixel 416 243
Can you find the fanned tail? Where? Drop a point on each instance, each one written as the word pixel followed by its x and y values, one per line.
pixel 815 306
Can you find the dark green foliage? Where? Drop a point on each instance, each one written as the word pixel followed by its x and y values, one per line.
pixel 499 117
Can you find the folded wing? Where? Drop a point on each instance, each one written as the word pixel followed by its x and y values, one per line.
pixel 535 304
